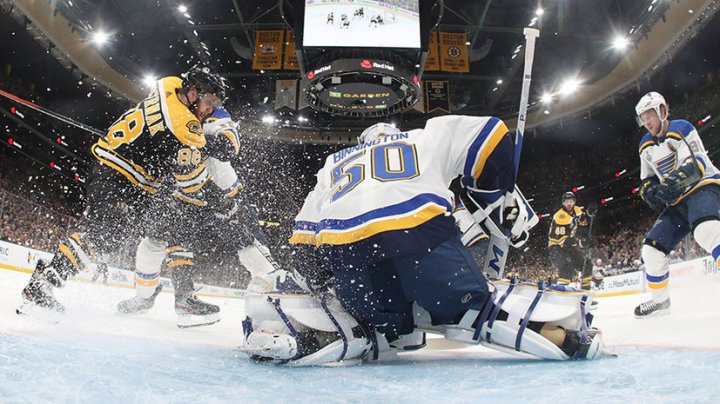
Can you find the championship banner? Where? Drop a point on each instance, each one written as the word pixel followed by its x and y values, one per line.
pixel 437 96
pixel 454 52
pixel 290 61
pixel 286 94
pixel 432 62
pixel 268 50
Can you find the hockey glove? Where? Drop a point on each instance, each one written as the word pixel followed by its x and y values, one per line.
pixel 678 182
pixel 649 190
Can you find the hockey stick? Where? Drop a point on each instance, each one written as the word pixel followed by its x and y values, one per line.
pixel 55 115
pixel 591 212
pixel 498 247
pixel 530 35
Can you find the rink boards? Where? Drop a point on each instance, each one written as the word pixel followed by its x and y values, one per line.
pixel 23 259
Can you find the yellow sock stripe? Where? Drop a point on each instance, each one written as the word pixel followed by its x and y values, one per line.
pixel 564 280
pixel 146 282
pixel 69 254
pixel 176 263
pixel 173 249
pixel 659 285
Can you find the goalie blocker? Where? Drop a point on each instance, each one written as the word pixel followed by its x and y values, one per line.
pixel 528 320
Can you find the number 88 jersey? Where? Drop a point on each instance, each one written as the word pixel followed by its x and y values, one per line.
pixel 401 181
pixel 158 143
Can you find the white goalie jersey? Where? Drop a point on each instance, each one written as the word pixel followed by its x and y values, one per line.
pixel 397 182
pixel 660 157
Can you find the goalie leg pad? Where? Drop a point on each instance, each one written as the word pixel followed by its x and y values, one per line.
pixel 302 330
pixel 530 321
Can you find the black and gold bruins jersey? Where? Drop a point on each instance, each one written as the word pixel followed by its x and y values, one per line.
pixel 565 225
pixel 157 145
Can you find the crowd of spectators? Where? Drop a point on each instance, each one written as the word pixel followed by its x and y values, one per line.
pixel 36 210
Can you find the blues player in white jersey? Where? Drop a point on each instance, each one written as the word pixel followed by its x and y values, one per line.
pixel 379 224
pixel 680 181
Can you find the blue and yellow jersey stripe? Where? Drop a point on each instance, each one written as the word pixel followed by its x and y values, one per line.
pixel 401 216
pixel 482 147
pixel 714 180
pixel 646 141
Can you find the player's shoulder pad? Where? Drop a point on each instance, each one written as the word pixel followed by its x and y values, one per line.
pixel 679 128
pixel 578 210
pixel 561 217
pixel 646 141
pixel 178 117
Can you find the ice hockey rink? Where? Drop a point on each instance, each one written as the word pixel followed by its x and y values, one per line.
pixel 92 354
pixel 393 33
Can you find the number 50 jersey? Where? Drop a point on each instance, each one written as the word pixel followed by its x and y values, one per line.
pixel 394 190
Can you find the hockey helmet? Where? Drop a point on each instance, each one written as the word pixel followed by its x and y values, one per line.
pixel 205 81
pixel 568 195
pixel 651 100
pixel 376 131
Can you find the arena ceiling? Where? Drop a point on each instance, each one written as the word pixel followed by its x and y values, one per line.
pixel 577 45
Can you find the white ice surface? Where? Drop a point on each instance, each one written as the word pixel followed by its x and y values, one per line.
pixel 95 355
pixel 394 34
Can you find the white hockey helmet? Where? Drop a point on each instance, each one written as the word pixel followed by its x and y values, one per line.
pixel 376 131
pixel 651 100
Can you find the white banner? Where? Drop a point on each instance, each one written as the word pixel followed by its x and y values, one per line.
pixel 23 259
pixel 634 282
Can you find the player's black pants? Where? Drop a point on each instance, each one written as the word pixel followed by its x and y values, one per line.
pixel 445 281
pixel 567 262
pixel 111 219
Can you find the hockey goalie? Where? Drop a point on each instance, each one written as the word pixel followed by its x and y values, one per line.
pixel 384 261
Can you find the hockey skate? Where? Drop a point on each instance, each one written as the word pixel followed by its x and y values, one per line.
pixel 649 308
pixel 137 304
pixel 39 291
pixel 193 312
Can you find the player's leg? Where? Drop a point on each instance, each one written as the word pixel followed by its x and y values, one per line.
pixel 191 311
pixel 668 230
pixel 445 282
pixel 149 258
pixel 374 295
pixel 102 228
pixel 704 215
pixel 448 285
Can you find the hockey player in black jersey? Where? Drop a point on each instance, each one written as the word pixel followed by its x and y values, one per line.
pixel 138 162
pixel 566 241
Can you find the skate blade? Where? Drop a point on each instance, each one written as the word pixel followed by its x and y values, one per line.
pixel 658 313
pixel 190 321
pixel 131 314
pixel 36 312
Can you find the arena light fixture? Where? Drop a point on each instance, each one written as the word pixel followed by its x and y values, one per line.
pixel 569 86
pixel 268 119
pixel 539 12
pixel 546 98
pixel 100 37
pixel 182 8
pixel 149 80
pixel 620 42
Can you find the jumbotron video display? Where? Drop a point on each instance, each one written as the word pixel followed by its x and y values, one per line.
pixel 385 24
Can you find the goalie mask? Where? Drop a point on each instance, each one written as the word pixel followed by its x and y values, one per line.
pixel 376 132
